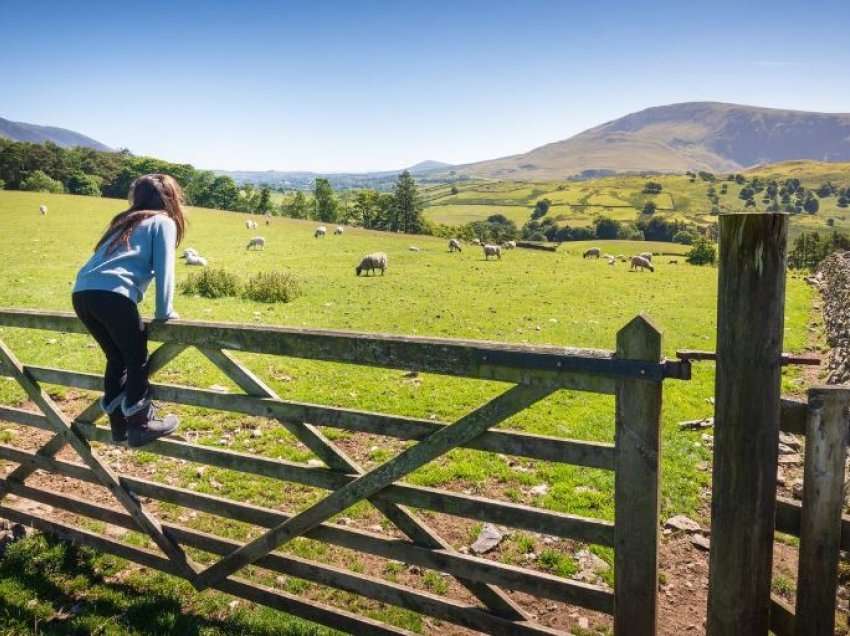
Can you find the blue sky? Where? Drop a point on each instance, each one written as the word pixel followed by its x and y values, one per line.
pixel 338 86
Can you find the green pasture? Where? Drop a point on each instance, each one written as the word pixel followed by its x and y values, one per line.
pixel 526 297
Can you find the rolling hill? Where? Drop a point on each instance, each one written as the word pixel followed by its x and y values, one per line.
pixel 20 131
pixel 710 136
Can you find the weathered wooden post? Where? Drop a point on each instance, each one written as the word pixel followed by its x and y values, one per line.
pixel 827 428
pixel 750 324
pixel 638 422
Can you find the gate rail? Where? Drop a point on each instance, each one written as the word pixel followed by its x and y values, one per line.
pixel 633 374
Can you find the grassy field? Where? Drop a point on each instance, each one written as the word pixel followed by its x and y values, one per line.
pixel 577 203
pixel 528 297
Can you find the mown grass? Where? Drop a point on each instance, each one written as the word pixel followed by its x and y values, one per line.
pixel 528 296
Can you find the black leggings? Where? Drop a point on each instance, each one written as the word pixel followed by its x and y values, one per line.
pixel 115 323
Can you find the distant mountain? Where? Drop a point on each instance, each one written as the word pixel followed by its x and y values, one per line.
pixel 302 180
pixel 710 136
pixel 20 131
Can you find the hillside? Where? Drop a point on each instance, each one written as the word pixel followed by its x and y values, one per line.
pixel 300 180
pixel 682 197
pixel 21 131
pixel 709 136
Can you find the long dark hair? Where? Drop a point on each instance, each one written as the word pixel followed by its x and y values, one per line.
pixel 149 195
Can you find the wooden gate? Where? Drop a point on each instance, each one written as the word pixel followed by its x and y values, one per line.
pixel 633 373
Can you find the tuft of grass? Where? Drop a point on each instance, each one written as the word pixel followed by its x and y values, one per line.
pixel 435 583
pixel 272 287
pixel 557 562
pixel 211 283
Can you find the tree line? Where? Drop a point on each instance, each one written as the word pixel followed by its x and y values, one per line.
pixel 84 171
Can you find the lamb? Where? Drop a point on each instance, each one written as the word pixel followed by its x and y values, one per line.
pixel 509 245
pixel 190 250
pixel 622 258
pixel 250 225
pixel 192 258
pixel 413 248
pixel 454 245
pixel 593 252
pixel 43 209
pixel 492 250
pixel 371 262
pixel 258 242
pixel 339 229
pixel 640 263
pixel 646 255
pixel 611 260
pixel 320 231
pixel 476 241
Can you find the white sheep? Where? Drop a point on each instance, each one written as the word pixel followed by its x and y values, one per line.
pixel 190 250
pixel 250 225
pixel 258 242
pixel 646 255
pixel 339 230
pixel 476 241
pixel 413 248
pixel 194 259
pixel 454 245
pixel 320 231
pixel 622 258
pixel 492 250
pixel 509 245
pixel 593 252
pixel 611 260
pixel 640 263
pixel 43 209
pixel 371 262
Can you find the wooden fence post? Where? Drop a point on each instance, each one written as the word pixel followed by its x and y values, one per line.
pixel 750 323
pixel 827 430
pixel 638 416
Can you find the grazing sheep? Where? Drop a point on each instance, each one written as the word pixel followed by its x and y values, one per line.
pixel 492 250
pixel 413 248
pixel 640 263
pixel 509 245
pixel 646 255
pixel 320 231
pixel 43 209
pixel 190 250
pixel 611 260
pixel 339 229
pixel 673 261
pixel 371 262
pixel 258 242
pixel 250 225
pixel 476 241
pixel 622 258
pixel 454 245
pixel 593 252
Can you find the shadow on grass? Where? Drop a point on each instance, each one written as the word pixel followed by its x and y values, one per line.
pixel 51 587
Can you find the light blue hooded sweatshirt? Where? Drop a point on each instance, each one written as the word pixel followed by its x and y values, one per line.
pixel 129 271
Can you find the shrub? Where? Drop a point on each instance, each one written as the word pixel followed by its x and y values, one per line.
pixel 702 253
pixel 272 287
pixel 39 181
pixel 684 237
pixel 211 283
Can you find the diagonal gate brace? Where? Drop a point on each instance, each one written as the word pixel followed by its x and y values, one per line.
pixel 418 531
pixel 441 441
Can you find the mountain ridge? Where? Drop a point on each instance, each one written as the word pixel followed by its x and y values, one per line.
pixel 34 133
pixel 711 136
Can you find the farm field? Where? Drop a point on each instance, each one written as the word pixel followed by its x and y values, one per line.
pixel 526 297
pixel 620 197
